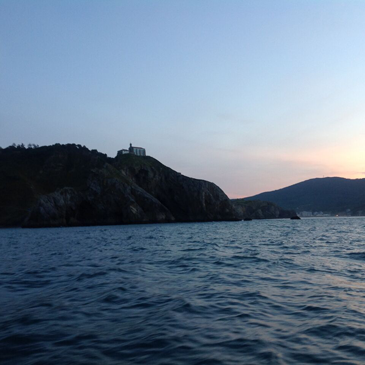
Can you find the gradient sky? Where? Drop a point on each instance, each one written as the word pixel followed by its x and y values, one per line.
pixel 252 95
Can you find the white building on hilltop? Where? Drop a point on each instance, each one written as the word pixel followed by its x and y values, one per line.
pixel 138 151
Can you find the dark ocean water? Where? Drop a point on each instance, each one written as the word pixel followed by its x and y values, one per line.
pixel 260 292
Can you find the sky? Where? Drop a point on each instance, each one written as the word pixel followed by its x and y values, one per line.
pixel 253 95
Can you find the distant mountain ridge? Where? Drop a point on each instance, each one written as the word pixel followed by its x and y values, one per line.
pixel 330 195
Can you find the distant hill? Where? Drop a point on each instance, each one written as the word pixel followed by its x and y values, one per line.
pixel 331 195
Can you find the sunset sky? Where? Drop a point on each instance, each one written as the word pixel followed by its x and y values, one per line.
pixel 252 95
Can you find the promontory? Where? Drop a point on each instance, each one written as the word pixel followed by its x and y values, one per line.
pixel 70 185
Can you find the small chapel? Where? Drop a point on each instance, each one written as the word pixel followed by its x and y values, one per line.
pixel 138 151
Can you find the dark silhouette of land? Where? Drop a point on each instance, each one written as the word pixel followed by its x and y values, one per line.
pixel 70 185
pixel 330 195
pixel 257 209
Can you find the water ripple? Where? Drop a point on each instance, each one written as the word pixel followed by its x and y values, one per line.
pixel 271 292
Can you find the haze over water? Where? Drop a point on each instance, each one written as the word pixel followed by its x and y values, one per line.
pixel 270 292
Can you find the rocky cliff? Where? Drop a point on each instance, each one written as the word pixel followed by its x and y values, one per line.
pixel 69 185
pixel 257 209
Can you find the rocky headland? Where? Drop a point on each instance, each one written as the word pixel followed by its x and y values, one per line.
pixel 69 185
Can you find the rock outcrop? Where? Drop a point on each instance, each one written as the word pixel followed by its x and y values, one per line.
pixel 186 198
pixel 257 209
pixel 69 185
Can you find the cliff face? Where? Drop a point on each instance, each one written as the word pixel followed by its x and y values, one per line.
pixel 257 209
pixel 186 198
pixel 68 185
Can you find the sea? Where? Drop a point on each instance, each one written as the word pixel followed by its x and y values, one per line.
pixel 260 292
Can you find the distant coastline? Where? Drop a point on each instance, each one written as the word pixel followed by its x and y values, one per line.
pixel 321 197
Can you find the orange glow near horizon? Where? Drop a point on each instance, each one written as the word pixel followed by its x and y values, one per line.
pixel 276 169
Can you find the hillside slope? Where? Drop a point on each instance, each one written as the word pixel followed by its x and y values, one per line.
pixel 332 195
pixel 69 185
